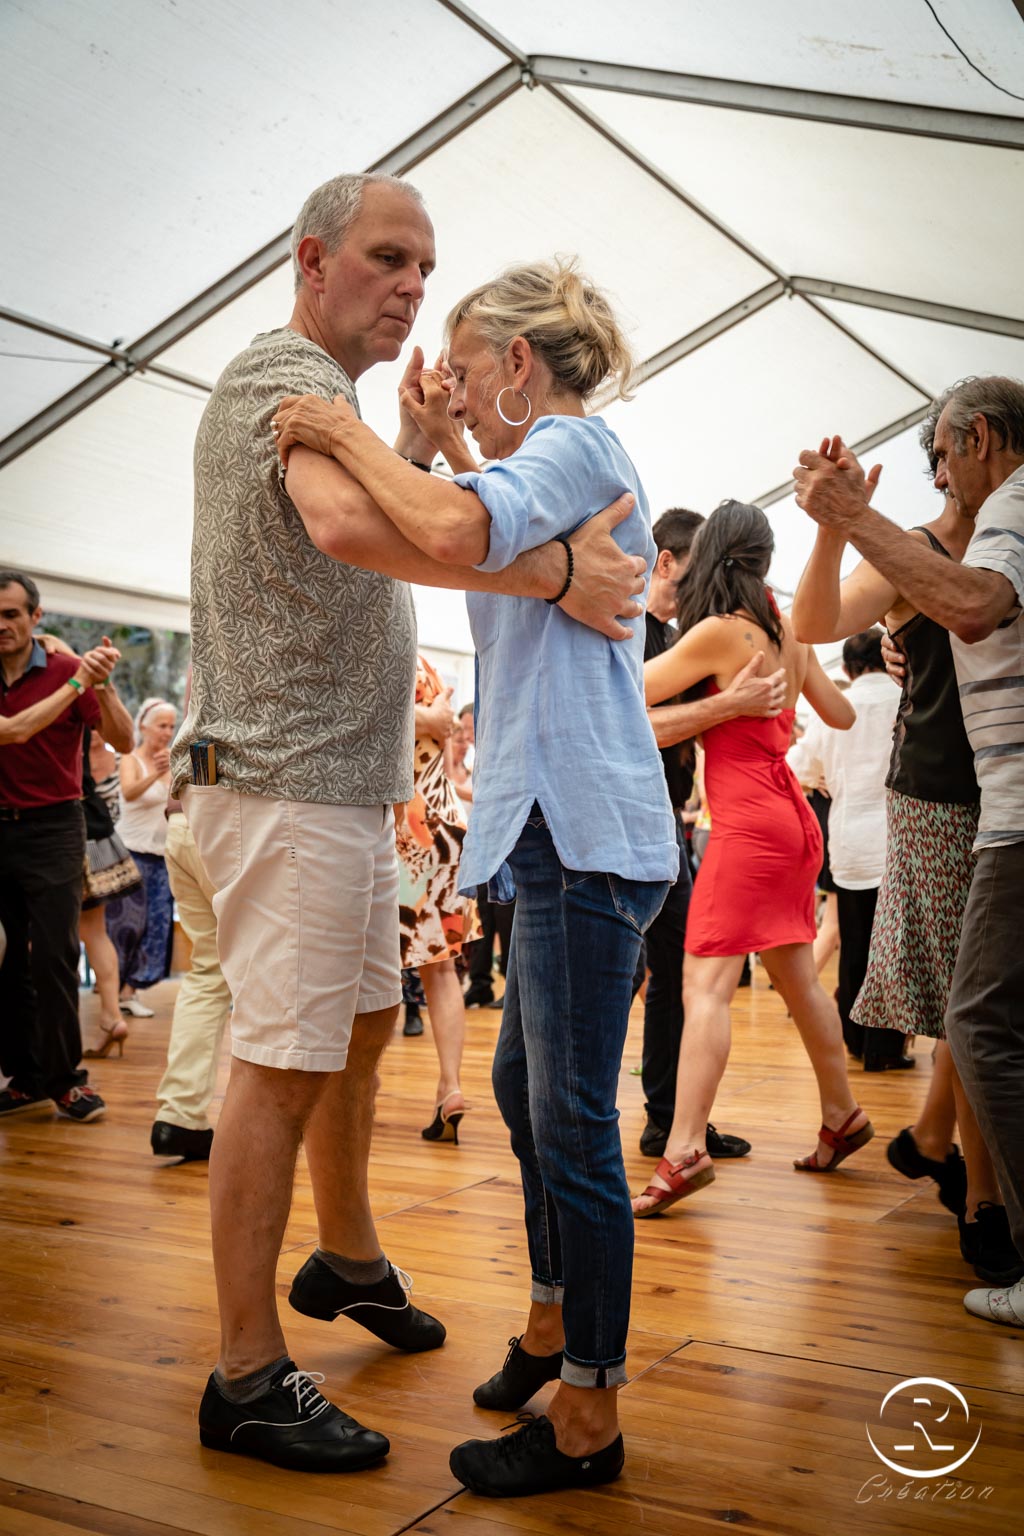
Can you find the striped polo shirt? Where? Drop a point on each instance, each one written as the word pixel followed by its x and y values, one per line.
pixel 990 673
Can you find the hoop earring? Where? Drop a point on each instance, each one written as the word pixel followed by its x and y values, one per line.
pixel 507 419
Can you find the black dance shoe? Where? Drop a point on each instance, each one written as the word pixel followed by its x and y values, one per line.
pixel 950 1175
pixel 383 1308
pixel 290 1425
pixel 528 1461
pixel 519 1378
pixel 986 1244
pixel 175 1141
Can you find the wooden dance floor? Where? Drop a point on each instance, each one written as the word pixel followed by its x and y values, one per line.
pixel 771 1315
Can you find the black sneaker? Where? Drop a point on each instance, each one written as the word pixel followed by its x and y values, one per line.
pixel 80 1104
pixel 383 1308
pixel 290 1425
pixel 13 1101
pixel 177 1141
pixel 519 1378
pixel 987 1246
pixel 719 1144
pixel 529 1461
pixel 950 1175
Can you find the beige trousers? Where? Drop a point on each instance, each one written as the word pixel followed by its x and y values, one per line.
pixel 204 1000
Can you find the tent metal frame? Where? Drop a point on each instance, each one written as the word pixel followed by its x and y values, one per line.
pixel 552 73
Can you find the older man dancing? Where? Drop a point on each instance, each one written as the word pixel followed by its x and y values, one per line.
pixel 979 451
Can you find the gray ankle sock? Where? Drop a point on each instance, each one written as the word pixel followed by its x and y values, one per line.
pixel 356 1271
pixel 245 1389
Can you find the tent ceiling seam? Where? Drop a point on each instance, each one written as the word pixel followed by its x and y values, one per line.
pixel 865 445
pixel 995 130
pixel 484 29
pixel 445 126
pixel 865 346
pixel 905 304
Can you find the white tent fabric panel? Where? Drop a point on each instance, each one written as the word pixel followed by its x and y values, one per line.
pixel 108 497
pixel 167 135
pixel 874 49
pixel 729 420
pixel 34 369
pixel 932 352
pixel 854 204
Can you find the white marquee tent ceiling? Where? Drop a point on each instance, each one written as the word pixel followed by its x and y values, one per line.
pixel 810 213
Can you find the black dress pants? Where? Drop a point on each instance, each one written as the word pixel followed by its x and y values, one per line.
pixel 856 918
pixel 41 862
pixel 495 918
pixel 663 1010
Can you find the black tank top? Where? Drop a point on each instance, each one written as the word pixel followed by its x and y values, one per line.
pixel 931 756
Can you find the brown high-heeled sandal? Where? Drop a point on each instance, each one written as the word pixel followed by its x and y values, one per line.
pixel 843 1146
pixel 680 1178
pixel 116 1034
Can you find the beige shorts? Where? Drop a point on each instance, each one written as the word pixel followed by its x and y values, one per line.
pixel 307 920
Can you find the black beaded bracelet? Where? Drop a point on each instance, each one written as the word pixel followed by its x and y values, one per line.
pixel 568 575
pixel 419 464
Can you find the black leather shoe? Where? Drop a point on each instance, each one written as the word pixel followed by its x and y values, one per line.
pixel 528 1461
pixel 477 996
pixel 653 1140
pixel 383 1308
pixel 175 1141
pixel 519 1378
pixel 290 1425
pixel 413 1020
pixel 719 1144
pixel 987 1246
pixel 888 1063
pixel 951 1175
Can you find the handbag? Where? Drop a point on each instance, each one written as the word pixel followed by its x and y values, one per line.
pixel 109 871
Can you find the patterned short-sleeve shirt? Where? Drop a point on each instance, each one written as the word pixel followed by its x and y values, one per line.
pixel 303 667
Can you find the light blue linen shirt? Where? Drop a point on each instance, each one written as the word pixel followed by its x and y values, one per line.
pixel 560 714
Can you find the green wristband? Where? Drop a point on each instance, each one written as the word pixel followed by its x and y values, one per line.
pixel 74 683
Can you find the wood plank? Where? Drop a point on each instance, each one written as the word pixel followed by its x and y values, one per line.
pixel 768 1314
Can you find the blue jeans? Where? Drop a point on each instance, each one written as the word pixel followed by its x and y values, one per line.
pixel 574 949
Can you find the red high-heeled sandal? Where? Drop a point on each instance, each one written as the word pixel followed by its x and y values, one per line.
pixel 843 1146
pixel 681 1182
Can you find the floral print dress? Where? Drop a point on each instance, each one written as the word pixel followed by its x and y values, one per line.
pixel 435 920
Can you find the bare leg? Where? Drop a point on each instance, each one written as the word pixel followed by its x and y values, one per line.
pixel 447 1025
pixel 709 983
pixel 982 1183
pixel 791 968
pixel 933 1129
pixel 103 959
pixel 252 1168
pixel 586 1419
pixel 337 1142
pixel 827 941
pixel 544 1332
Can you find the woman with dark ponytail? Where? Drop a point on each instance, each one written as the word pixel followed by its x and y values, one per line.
pixel 755 886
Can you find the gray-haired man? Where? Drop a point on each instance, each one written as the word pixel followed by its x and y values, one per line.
pixel 304 651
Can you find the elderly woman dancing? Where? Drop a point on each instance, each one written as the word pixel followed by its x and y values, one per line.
pixel 570 813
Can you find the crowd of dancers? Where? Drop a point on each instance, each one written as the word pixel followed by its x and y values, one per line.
pixel 299 739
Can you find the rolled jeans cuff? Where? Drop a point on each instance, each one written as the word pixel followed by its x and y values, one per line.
pixel 546 1292
pixel 576 1374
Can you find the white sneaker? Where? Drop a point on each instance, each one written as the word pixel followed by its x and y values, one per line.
pixel 999 1306
pixel 136 1009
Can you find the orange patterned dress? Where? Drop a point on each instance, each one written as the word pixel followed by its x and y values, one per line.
pixel 435 920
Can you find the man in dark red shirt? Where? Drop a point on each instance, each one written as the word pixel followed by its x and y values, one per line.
pixel 42 853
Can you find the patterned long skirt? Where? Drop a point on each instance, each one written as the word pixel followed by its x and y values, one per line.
pixel 916 934
pixel 139 925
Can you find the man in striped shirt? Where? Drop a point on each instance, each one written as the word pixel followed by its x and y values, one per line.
pixel 979 457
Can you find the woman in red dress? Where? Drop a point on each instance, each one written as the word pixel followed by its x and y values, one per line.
pixel 755 886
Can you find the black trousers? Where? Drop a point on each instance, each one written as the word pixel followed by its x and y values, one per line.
pixel 856 918
pixel 41 861
pixel 495 918
pixel 663 1009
